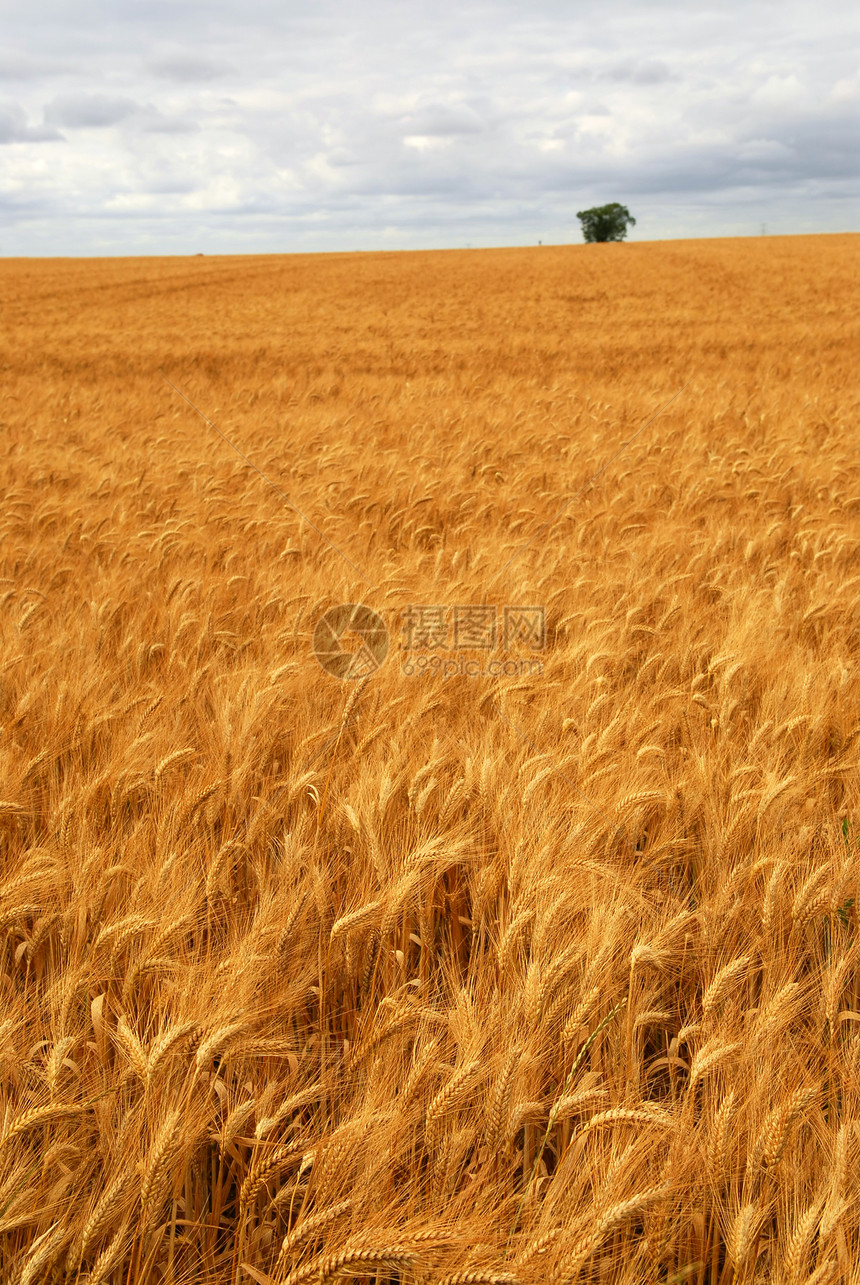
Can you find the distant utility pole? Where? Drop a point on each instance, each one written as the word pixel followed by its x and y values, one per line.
pixel 764 229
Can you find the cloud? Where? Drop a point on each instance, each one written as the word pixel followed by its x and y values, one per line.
pixel 188 68
pixel 151 121
pixel 88 111
pixel 444 120
pixel 100 111
pixel 19 66
pixel 14 127
pixel 846 90
pixel 649 72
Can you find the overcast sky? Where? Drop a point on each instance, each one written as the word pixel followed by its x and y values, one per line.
pixel 267 125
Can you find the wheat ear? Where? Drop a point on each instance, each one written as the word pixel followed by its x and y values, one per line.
pixel 312 1226
pixel 355 1261
pixel 109 1258
pixel 40 1258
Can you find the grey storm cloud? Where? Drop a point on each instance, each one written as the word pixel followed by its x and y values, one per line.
pixel 270 124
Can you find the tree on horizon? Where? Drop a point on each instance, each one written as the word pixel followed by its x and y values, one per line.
pixel 605 222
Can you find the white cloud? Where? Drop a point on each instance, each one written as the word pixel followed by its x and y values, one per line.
pixel 426 142
pixel 778 91
pixel 847 90
pixel 758 149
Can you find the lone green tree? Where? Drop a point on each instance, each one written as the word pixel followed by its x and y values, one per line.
pixel 605 222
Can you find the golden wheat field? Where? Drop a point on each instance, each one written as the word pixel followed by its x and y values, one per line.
pixel 530 954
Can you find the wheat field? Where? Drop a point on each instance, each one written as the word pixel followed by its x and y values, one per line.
pixel 544 974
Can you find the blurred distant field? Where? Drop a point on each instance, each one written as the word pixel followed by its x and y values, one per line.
pixel 530 954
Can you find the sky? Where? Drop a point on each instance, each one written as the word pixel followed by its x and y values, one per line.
pixel 268 126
